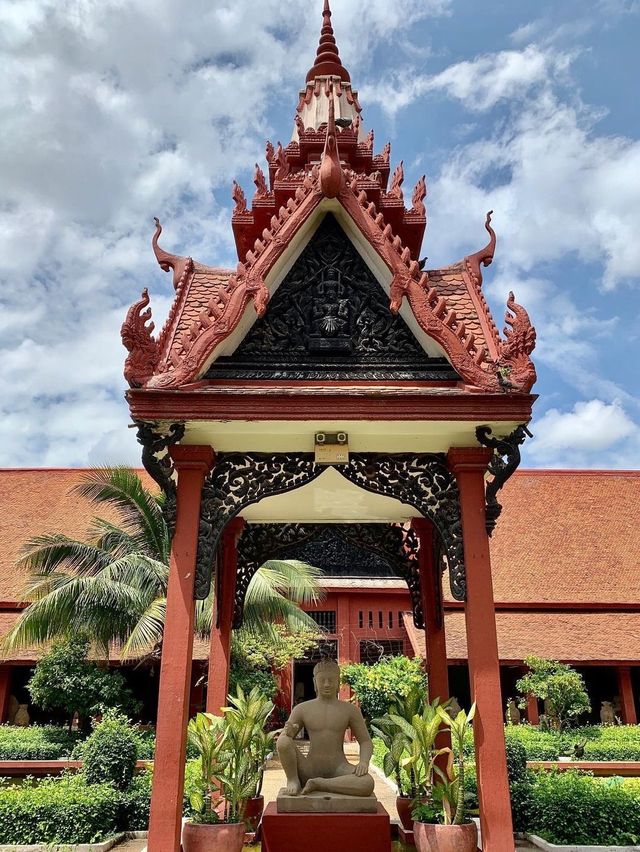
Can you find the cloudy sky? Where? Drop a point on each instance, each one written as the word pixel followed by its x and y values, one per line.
pixel 114 111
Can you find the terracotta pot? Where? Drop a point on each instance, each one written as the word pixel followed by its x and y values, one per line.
pixel 445 838
pixel 404 806
pixel 253 812
pixel 220 837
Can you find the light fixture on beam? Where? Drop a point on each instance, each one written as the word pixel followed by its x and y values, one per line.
pixel 332 448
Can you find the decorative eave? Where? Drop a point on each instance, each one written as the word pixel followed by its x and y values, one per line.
pixel 479 356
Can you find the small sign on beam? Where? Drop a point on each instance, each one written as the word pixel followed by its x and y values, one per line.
pixel 332 448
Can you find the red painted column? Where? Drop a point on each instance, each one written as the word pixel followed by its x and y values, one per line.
pixel 625 688
pixel 192 464
pixel 5 690
pixel 343 629
pixel 435 638
pixel 533 715
pixel 469 466
pixel 220 645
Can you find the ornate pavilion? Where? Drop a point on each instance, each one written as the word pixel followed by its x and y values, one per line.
pixel 329 379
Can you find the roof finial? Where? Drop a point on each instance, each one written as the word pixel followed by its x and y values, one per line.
pixel 328 62
pixel 331 175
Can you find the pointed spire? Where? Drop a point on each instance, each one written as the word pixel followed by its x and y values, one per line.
pixel 331 175
pixel 328 62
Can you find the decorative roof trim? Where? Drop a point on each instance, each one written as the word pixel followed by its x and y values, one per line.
pixel 168 261
pixel 484 256
pixel 331 174
pixel 327 57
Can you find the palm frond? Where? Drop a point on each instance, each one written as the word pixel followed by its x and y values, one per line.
pixel 139 509
pixel 148 631
pixel 49 553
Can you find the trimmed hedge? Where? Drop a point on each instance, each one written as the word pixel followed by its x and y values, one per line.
pixel 59 810
pixel 110 753
pixel 47 742
pixel 575 808
pixel 619 742
pixel 136 802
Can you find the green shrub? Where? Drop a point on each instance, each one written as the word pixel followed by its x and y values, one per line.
pixel 539 745
pixel 192 784
pixel 377 685
pixel 110 753
pixel 575 808
pixel 516 760
pixel 37 743
pixel 619 742
pixel 136 802
pixel 58 810
pixel 246 677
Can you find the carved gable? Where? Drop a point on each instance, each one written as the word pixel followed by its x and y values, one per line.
pixel 330 319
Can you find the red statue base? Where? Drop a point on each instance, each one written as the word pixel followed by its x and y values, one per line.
pixel 319 832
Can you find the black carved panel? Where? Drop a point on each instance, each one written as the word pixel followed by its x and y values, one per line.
pixel 353 550
pixel 505 461
pixel 420 480
pixel 330 319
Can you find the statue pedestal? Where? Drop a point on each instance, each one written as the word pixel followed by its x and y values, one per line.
pixel 325 803
pixel 317 832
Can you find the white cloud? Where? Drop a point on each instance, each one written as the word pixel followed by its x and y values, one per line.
pixel 582 437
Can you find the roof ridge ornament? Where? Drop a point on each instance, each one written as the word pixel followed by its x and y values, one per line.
pixel 331 174
pixel 328 62
pixel 137 338
pixel 485 255
pixel 167 261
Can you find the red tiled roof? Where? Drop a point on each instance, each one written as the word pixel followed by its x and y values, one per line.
pixel 568 536
pixel 34 501
pixel 568 636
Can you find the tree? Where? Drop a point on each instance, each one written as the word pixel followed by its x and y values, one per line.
pixel 557 683
pixel 113 586
pixel 64 680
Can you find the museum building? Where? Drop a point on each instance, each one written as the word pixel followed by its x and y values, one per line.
pixel 332 398
pixel 566 581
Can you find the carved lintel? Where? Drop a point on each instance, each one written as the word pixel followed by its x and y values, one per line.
pixel 421 480
pixel 158 464
pixel 506 458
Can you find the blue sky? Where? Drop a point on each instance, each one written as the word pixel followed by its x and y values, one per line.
pixel 114 112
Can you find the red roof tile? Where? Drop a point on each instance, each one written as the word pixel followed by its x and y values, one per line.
pixel 569 636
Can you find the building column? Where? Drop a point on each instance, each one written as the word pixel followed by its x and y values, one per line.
pixel 434 631
pixel 192 464
pixel 220 645
pixel 5 691
pixel 625 688
pixel 533 715
pixel 469 466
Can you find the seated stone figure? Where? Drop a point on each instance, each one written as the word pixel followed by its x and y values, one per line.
pixel 325 718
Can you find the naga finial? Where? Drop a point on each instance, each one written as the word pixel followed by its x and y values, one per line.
pixel 331 175
pixel 485 255
pixel 167 261
pixel 397 180
pixel 418 197
pixel 137 337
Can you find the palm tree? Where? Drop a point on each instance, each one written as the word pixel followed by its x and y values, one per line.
pixel 113 586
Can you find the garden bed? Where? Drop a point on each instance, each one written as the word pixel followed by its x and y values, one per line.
pixel 105 846
pixel 554 847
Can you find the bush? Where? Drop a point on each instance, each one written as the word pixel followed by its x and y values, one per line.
pixel 136 802
pixel 558 683
pixel 246 677
pixel 59 810
pixel 378 685
pixel 110 753
pixel 516 760
pixel 621 742
pixel 575 808
pixel 37 743
pixel 64 680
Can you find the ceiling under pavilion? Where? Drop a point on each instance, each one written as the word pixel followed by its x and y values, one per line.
pixel 330 320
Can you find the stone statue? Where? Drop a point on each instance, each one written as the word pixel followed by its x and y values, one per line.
pixel 607 713
pixel 22 718
pixel 325 768
pixel 454 707
pixel 512 715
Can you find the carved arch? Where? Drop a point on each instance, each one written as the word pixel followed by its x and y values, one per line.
pixel 420 480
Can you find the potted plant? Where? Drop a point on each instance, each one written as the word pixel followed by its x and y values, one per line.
pixel 233 749
pixel 249 716
pixel 440 824
pixel 409 731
